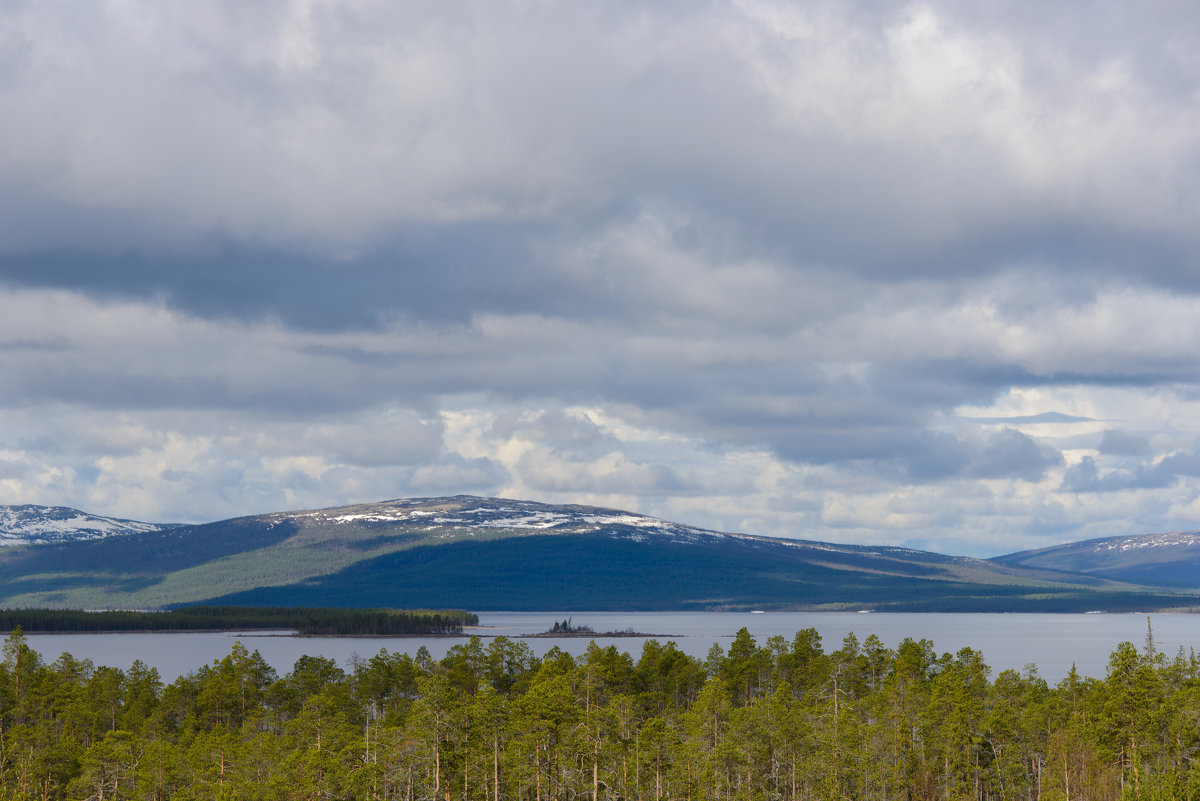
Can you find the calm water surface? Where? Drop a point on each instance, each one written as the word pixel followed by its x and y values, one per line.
pixel 1051 642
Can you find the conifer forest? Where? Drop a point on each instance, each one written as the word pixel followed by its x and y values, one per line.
pixel 785 720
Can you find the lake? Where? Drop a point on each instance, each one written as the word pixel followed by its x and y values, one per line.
pixel 1052 642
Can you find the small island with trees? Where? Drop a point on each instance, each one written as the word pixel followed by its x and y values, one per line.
pixel 567 628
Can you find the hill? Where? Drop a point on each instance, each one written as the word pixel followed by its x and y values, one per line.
pixel 487 553
pixel 1162 560
pixel 27 524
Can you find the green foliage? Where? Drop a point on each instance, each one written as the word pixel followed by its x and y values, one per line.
pixel 784 721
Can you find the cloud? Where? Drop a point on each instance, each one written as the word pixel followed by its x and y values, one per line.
pixel 573 434
pixel 915 273
pixel 331 128
pixel 387 438
pixel 1004 454
pixel 455 475
pixel 1044 417
pixel 1118 442
pixel 1162 473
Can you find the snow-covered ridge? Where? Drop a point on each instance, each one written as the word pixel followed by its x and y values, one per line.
pixel 27 523
pixel 466 516
pixel 479 514
pixel 1170 539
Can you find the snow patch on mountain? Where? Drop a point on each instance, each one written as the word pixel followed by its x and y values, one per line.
pixel 30 524
pixel 1167 540
pixel 469 515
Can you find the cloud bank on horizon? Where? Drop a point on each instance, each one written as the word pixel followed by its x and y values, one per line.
pixel 916 274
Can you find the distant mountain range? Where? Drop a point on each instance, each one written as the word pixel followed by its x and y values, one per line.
pixel 494 554
pixel 1161 560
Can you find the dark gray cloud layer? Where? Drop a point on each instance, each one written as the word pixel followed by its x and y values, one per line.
pixel 921 273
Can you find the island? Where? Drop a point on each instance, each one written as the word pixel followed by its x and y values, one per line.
pixel 567 628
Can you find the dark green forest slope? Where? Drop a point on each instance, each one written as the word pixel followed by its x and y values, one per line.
pixel 781 720
pixel 487 553
pixel 586 571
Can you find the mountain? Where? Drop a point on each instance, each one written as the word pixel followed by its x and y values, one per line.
pixel 495 554
pixel 1162 560
pixel 27 523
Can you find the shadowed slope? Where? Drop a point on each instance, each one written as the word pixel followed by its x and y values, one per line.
pixel 487 553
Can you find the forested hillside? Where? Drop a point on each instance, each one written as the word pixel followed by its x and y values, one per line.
pixel 465 552
pixel 777 720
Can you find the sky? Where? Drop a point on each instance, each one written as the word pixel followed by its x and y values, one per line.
pixel 914 274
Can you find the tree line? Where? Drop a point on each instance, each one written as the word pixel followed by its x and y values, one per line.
pixel 784 720
pixel 307 621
